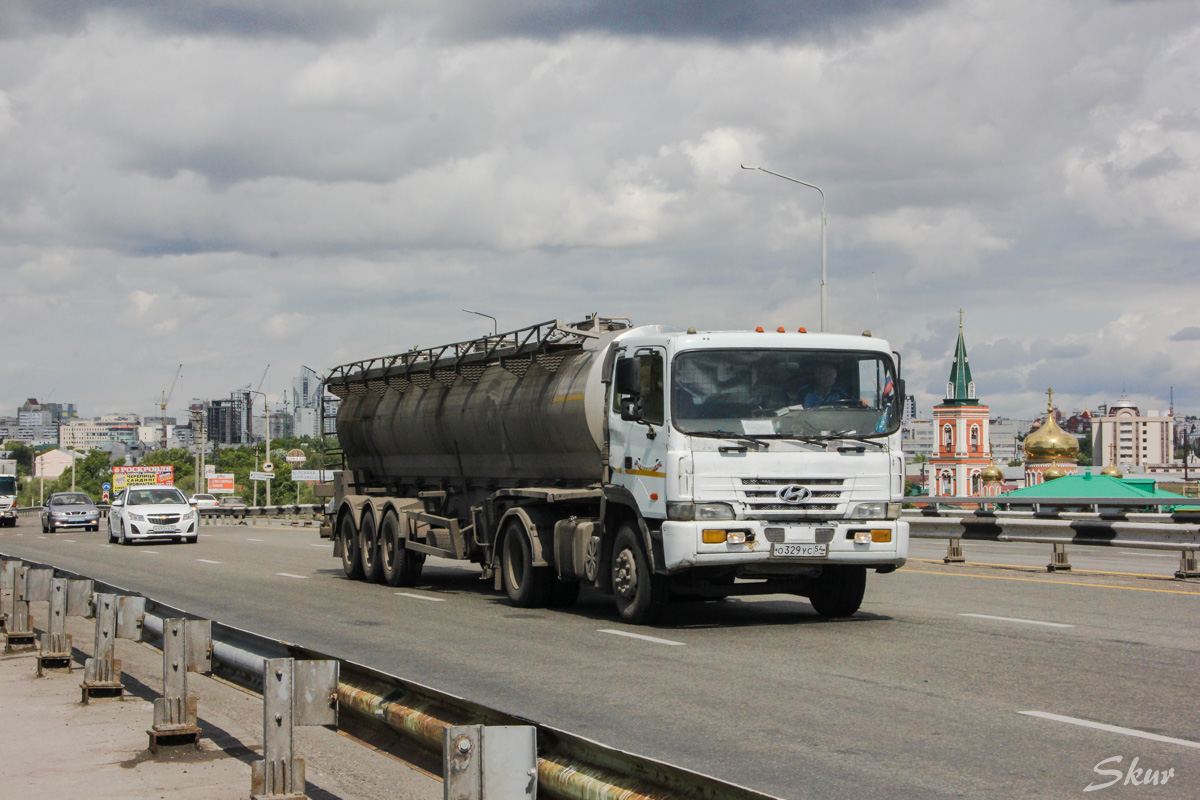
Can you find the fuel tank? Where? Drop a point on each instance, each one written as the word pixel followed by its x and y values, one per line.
pixel 515 415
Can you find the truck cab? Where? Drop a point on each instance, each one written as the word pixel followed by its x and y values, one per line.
pixel 759 455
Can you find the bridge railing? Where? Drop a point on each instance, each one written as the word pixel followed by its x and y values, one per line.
pixel 1141 523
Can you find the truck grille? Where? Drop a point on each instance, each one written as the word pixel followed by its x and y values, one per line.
pixel 760 496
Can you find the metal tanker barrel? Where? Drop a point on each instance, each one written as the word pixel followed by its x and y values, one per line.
pixel 504 410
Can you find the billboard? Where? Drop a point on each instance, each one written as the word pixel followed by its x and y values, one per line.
pixel 221 483
pixel 145 475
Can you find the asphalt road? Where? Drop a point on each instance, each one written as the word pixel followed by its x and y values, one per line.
pixel 991 679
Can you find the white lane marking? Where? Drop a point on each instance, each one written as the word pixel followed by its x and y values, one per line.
pixel 1023 621
pixel 206 561
pixel 290 575
pixel 255 540
pixel 72 541
pixel 320 545
pixel 151 552
pixel 421 597
pixel 641 636
pixel 1100 726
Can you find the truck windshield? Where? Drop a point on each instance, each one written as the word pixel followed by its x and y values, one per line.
pixel 802 393
pixel 8 484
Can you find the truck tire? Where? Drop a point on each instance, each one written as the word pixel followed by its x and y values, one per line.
pixel 401 566
pixel 527 586
pixel 348 535
pixel 640 594
pixel 838 591
pixel 368 548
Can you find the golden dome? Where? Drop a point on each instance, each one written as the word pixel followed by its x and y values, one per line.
pixel 1112 471
pixel 1052 473
pixel 991 474
pixel 1050 442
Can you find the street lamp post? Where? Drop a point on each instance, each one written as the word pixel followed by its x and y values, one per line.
pixel 495 325
pixel 824 295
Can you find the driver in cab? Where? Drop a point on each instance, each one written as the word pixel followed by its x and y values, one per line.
pixel 823 391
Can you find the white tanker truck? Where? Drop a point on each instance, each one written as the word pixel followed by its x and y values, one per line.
pixel 644 461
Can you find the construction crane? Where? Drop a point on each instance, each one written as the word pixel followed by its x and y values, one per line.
pixel 162 406
pixel 250 411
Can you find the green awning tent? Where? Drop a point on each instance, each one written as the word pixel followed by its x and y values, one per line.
pixel 1098 486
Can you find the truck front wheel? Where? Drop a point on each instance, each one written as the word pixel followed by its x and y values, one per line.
pixel 349 541
pixel 640 594
pixel 838 591
pixel 527 586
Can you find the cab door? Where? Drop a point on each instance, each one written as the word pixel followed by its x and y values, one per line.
pixel 638 447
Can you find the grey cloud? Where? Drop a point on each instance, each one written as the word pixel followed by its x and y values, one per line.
pixel 771 20
pixel 318 20
pixel 324 20
pixel 1189 334
pixel 1065 351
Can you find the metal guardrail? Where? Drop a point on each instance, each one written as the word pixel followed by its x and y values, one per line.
pixel 1060 521
pixel 570 767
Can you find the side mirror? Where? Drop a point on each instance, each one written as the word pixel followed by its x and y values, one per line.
pixel 629 377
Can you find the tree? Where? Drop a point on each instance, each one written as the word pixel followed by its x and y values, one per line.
pixel 1084 459
pixel 23 454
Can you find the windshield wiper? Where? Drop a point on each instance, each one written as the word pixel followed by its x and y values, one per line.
pixel 719 434
pixel 857 438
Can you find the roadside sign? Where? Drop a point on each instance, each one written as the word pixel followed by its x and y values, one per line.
pixel 261 476
pixel 268 466
pixel 312 475
pixel 104 495
pixel 210 470
pixel 144 475
pixel 296 456
pixel 106 487
pixel 221 483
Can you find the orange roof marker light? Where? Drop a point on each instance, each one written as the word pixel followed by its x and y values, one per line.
pixel 781 329
pixel 801 330
pixel 759 329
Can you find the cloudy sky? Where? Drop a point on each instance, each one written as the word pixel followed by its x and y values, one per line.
pixel 229 184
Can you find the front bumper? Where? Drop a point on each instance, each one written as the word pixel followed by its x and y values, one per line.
pixel 683 546
pixel 146 530
pixel 8 513
pixel 89 521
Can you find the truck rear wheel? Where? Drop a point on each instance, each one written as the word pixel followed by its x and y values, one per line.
pixel 527 586
pixel 640 594
pixel 838 591
pixel 368 549
pixel 348 536
pixel 401 566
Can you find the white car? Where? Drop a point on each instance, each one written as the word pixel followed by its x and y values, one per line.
pixel 152 512
pixel 204 501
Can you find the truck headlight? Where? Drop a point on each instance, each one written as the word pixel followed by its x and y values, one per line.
pixel 686 512
pixel 880 510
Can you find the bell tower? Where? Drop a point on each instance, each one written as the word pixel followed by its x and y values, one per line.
pixel 963 449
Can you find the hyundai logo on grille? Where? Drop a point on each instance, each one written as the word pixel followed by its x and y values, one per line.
pixel 794 494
